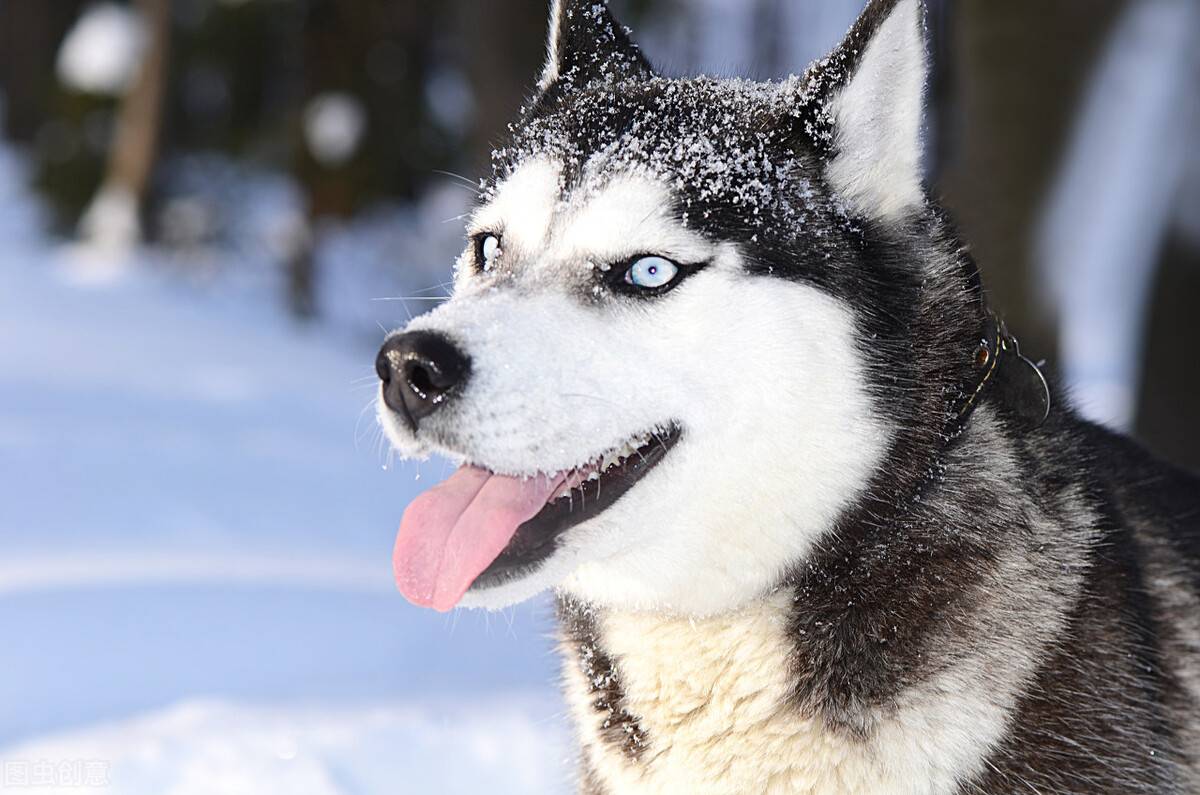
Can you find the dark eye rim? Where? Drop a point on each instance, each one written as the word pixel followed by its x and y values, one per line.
pixel 477 241
pixel 618 284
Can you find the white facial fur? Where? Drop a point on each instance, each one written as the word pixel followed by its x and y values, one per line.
pixel 878 116
pixel 761 373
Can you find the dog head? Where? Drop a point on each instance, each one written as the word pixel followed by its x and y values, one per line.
pixel 660 367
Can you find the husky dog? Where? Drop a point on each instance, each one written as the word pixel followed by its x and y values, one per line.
pixel 720 373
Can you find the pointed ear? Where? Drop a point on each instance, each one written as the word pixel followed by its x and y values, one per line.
pixel 587 45
pixel 866 106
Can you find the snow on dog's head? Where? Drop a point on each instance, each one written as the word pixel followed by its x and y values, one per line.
pixel 653 365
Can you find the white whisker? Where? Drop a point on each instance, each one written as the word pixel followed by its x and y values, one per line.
pixel 414 298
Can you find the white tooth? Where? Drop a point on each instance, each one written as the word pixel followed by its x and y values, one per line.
pixel 614 457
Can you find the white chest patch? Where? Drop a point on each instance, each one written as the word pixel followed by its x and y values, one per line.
pixel 711 697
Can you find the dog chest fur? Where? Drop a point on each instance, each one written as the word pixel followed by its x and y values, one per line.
pixel 708 705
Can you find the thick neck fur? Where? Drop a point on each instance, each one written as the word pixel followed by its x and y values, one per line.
pixel 906 658
pixel 884 664
pixel 902 655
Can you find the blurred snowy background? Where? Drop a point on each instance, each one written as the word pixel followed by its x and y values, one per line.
pixel 209 209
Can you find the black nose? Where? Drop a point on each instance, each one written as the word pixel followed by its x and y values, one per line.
pixel 420 370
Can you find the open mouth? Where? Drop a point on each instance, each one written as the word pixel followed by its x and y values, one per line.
pixel 477 529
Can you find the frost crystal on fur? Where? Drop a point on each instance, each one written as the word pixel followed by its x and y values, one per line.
pixel 716 142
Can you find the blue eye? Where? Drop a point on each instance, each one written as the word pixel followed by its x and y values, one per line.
pixel 651 272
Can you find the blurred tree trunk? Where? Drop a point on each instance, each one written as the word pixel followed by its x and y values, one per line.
pixel 378 54
pixel 113 215
pixel 139 119
pixel 504 46
pixel 30 34
pixel 1168 418
pixel 1016 70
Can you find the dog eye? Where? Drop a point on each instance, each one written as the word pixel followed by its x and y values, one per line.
pixel 487 250
pixel 651 273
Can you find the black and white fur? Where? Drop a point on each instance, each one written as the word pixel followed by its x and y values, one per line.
pixel 827 585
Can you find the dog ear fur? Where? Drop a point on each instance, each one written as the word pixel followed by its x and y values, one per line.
pixel 586 45
pixel 863 105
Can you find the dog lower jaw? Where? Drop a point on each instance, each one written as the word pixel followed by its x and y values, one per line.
pixel 587 493
pixel 545 577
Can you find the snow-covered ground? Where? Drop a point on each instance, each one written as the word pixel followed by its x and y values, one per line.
pixel 196 518
pixel 208 748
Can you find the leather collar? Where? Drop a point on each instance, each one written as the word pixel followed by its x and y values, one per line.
pixel 999 366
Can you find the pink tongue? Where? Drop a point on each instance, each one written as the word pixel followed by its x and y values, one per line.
pixel 450 534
